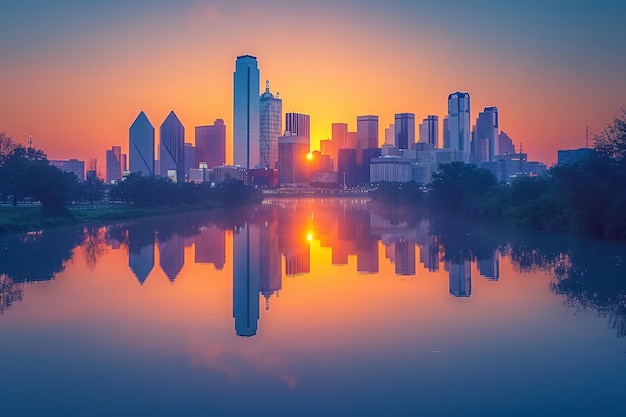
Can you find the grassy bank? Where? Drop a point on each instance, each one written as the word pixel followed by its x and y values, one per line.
pixel 29 218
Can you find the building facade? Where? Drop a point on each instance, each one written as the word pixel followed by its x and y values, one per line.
pixel 292 160
pixel 404 130
pixel 246 129
pixel 141 146
pixel 298 124
pixel 429 130
pixel 211 144
pixel 114 164
pixel 459 123
pixel 487 132
pixel 172 148
pixel 271 125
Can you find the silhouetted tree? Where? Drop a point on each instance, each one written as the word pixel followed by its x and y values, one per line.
pixel 93 187
pixel 612 141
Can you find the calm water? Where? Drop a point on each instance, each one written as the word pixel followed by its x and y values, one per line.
pixel 309 307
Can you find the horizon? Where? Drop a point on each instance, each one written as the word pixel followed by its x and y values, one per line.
pixel 100 66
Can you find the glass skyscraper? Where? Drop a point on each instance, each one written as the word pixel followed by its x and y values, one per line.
pixel 141 146
pixel 246 129
pixel 172 149
pixel 487 134
pixel 405 130
pixel 271 122
pixel 459 123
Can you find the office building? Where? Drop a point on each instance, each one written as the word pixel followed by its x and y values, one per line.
pixel 404 130
pixel 298 124
pixel 141 146
pixel 487 135
pixel 172 148
pixel 459 123
pixel 367 135
pixel 429 130
pixel 271 118
pixel 292 160
pixel 246 129
pixel 114 164
pixel 74 166
pixel 190 158
pixel 211 144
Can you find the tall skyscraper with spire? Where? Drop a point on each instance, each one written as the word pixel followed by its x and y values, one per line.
pixel 271 123
pixel 246 129
pixel 172 148
pixel 141 146
pixel 459 123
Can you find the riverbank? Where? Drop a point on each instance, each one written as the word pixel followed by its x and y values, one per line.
pixel 27 218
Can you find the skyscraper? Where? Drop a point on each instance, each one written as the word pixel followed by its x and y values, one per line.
pixel 405 130
pixel 292 159
pixel 141 146
pixel 271 122
pixel 114 164
pixel 246 131
pixel 211 144
pixel 172 148
pixel 487 134
pixel 459 123
pixel 298 124
pixel 367 135
pixel 429 130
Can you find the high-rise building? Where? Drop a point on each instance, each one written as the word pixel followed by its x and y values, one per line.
pixel 487 134
pixel 404 130
pixel 246 130
pixel 390 135
pixel 367 135
pixel 292 159
pixel 172 148
pixel 429 130
pixel 211 144
pixel 347 169
pixel 114 164
pixel 459 123
pixel 141 146
pixel 505 144
pixel 298 124
pixel 271 122
pixel 446 133
pixel 190 158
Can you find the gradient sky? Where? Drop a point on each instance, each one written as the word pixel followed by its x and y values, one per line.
pixel 75 74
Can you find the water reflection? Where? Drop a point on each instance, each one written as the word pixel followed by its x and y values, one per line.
pixel 273 241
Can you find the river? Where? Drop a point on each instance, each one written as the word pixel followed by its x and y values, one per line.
pixel 310 307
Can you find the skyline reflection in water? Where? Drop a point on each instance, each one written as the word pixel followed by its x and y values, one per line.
pixel 311 296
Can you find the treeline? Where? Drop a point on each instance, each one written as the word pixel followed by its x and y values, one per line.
pixel 158 191
pixel 584 198
pixel 26 175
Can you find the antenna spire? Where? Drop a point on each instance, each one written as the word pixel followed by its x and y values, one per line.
pixel 267 86
pixel 30 141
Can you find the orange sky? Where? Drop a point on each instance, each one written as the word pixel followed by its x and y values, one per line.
pixel 76 76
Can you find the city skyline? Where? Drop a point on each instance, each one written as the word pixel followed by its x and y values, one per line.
pixel 74 63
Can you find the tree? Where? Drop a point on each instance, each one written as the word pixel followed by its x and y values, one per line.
pixel 15 161
pixel 611 142
pixel 51 186
pixel 93 187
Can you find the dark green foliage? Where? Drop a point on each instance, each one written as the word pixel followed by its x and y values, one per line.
pixel 461 187
pixel 398 193
pixel 159 191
